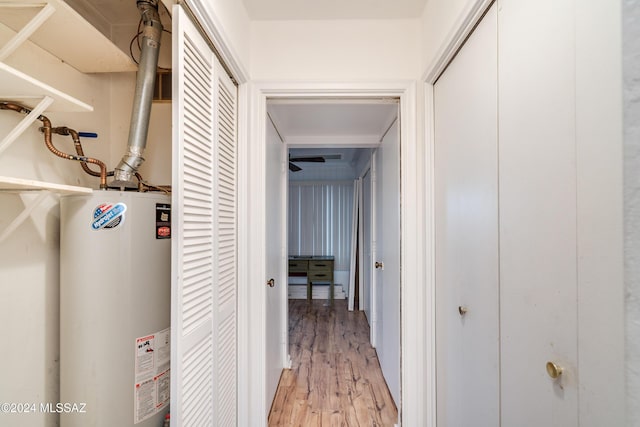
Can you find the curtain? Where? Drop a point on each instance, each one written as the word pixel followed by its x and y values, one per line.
pixel 320 220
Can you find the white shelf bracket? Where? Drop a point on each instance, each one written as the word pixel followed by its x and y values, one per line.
pixel 25 123
pixel 26 31
pixel 26 212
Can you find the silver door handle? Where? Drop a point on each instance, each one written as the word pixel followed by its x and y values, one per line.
pixel 379 265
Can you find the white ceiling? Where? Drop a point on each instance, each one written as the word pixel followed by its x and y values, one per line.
pixel 118 12
pixel 341 128
pixel 331 122
pixel 333 9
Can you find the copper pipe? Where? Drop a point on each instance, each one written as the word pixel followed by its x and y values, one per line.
pixel 47 130
pixel 144 186
pixel 140 182
pixel 63 130
pixel 15 107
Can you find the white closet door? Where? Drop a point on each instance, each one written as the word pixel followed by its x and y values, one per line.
pixel 203 323
pixel 538 263
pixel 466 185
pixel 226 285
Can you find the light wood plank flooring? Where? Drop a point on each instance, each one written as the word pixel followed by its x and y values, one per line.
pixel 335 378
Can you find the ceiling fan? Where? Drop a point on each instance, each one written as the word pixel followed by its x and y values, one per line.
pixel 311 159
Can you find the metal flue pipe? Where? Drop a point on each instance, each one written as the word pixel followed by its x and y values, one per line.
pixel 125 171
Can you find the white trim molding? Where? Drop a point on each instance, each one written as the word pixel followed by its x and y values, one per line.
pixel 212 27
pixel 461 29
pixel 244 236
pixel 464 25
pixel 411 409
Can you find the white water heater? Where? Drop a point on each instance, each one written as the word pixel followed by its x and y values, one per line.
pixel 115 308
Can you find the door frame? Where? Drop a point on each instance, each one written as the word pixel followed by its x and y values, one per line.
pixel 412 312
pixel 366 280
pixel 466 21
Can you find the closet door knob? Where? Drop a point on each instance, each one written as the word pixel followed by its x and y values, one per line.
pixel 271 283
pixel 379 265
pixel 554 370
pixel 462 310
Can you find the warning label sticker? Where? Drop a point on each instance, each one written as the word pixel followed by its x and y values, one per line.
pixel 108 215
pixel 163 221
pixel 152 378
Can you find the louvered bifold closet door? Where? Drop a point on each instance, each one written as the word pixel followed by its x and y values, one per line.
pixel 204 348
pixel 225 301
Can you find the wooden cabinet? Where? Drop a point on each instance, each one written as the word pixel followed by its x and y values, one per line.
pixel 318 269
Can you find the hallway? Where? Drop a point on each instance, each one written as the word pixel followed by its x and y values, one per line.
pixel 335 378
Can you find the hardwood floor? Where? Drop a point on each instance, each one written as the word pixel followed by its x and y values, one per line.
pixel 335 378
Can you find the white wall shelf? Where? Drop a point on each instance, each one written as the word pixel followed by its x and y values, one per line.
pixel 23 89
pixel 60 30
pixel 15 185
pixel 43 189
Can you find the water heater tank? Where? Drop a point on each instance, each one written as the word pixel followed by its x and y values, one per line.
pixel 115 309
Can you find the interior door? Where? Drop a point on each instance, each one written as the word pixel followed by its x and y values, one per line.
pixel 386 183
pixel 466 233
pixel 276 299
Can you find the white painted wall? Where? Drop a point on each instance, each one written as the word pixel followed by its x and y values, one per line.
pixel 227 23
pixel 631 65
pixel 156 168
pixel 335 50
pixel 234 22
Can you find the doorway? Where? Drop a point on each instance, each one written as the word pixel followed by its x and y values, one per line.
pixel 320 192
pixel 260 306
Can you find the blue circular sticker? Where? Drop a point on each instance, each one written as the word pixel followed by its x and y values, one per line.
pixel 108 215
